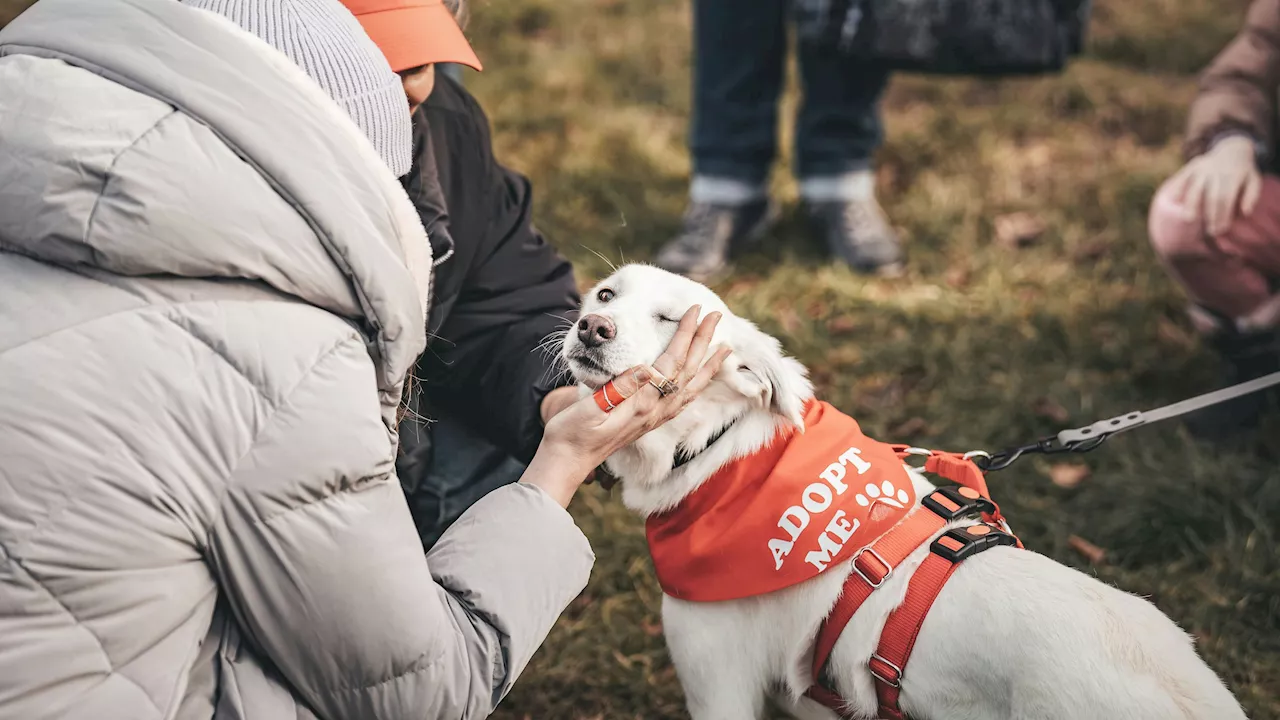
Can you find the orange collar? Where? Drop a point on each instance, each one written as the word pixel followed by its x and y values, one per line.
pixel 804 503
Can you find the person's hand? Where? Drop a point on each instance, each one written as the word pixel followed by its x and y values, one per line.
pixel 1218 182
pixel 556 401
pixel 583 436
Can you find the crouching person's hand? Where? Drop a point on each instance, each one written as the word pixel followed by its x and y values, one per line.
pixel 581 437
pixel 1220 185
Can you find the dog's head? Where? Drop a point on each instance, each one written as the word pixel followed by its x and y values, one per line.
pixel 630 316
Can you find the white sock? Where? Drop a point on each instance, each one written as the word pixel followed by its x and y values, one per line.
pixel 723 191
pixel 856 185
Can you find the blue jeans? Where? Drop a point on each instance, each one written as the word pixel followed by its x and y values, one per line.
pixel 460 468
pixel 740 49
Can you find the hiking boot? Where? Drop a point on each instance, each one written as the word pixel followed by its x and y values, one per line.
pixel 711 234
pixel 857 232
pixel 1245 356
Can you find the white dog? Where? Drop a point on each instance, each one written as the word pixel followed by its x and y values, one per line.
pixel 1013 635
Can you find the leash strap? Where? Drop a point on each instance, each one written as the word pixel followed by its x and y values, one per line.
pixel 1084 439
pixel 1137 419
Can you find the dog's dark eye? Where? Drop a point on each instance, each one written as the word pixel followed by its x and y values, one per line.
pixel 605 295
pixel 664 318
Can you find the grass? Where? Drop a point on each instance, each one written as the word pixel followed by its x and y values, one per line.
pixel 591 99
pixel 979 346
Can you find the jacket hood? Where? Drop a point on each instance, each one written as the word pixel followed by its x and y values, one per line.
pixel 146 138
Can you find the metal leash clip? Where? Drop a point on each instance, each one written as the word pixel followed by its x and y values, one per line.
pixel 1045 446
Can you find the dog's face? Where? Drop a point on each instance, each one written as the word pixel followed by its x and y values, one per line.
pixel 628 319
pixel 630 316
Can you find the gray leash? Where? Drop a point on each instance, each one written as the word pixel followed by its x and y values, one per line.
pixel 1084 439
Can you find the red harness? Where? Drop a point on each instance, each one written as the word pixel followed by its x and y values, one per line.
pixel 876 562
pixel 811 501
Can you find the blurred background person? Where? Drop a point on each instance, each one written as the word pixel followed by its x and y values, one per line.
pixel 740 52
pixel 1216 222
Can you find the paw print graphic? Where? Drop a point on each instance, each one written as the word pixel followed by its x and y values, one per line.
pixel 885 494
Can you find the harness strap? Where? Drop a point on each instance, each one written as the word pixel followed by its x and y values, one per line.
pixel 874 564
pixel 901 630
pixel 964 472
pixel 871 567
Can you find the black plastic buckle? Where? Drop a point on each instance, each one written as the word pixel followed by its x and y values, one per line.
pixel 957 544
pixel 951 504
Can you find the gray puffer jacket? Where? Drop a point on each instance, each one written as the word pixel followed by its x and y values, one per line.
pixel 211 291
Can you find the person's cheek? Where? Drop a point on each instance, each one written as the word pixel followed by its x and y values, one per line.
pixel 419 85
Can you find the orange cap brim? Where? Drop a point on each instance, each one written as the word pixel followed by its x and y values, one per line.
pixel 420 35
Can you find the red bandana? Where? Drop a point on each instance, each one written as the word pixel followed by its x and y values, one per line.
pixel 804 503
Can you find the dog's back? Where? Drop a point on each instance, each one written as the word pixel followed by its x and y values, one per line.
pixel 1015 630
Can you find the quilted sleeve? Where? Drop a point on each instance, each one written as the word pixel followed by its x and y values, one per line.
pixel 318 556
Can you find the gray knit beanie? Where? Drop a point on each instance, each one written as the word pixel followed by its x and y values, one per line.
pixel 324 39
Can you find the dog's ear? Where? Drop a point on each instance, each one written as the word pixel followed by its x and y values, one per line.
pixel 758 370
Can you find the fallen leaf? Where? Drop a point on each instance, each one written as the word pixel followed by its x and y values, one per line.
pixel 1018 230
pixel 887 174
pixel 1094 554
pixel 789 320
pixel 623 660
pixel 1065 475
pixel 844 355
pixel 579 606
pixel 910 428
pixel 1046 408
pixel 1092 249
pixel 652 629
pixel 957 277
pixel 741 287
pixel 841 324
pixel 883 393
pixel 817 309
pixel 1171 333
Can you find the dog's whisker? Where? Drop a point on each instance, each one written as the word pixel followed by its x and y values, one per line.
pixel 441 338
pixel 554 375
pixel 569 322
pixel 607 261
pixel 553 342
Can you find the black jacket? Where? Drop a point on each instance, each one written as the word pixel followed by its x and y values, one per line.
pixel 499 288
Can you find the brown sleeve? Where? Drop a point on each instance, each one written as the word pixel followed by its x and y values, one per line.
pixel 1238 90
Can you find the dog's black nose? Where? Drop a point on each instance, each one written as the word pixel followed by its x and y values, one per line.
pixel 596 330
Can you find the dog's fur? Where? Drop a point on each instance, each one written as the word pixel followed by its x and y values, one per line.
pixel 1012 636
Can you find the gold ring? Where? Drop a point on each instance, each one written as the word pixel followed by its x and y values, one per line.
pixel 664 385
